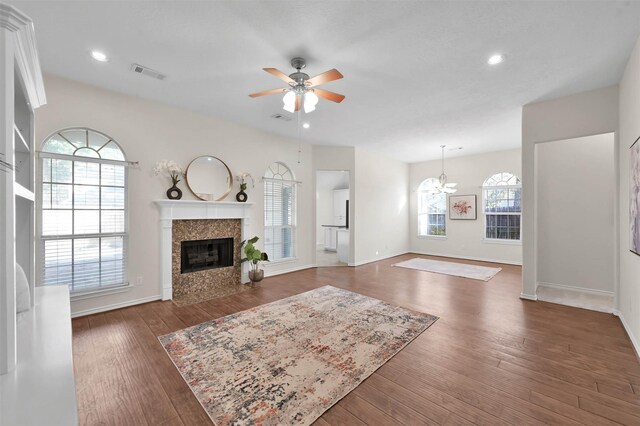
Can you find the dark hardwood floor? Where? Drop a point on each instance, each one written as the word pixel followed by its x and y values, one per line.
pixel 490 359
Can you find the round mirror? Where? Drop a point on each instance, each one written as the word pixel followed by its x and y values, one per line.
pixel 209 178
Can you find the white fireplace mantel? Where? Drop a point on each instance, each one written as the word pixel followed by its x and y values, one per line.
pixel 171 210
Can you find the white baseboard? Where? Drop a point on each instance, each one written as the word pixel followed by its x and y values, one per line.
pixel 267 273
pixel 377 258
pixel 625 324
pixel 528 296
pixel 578 297
pixel 456 256
pixel 113 306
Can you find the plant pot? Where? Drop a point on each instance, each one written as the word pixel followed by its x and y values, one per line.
pixel 256 275
pixel 174 193
pixel 241 196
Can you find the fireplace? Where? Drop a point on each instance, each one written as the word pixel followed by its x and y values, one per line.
pixel 189 220
pixel 206 254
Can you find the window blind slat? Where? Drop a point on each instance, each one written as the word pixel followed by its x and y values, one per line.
pixel 279 212
pixel 83 221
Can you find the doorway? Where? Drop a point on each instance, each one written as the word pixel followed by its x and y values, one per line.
pixel 332 218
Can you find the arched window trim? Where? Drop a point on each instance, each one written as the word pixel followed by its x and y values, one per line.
pixel 501 226
pixel 436 223
pixel 112 219
pixel 44 152
pixel 280 211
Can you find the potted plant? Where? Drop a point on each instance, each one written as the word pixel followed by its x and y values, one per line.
pixel 254 256
pixel 175 173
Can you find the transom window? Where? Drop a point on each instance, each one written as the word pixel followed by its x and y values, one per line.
pixel 502 206
pixel 279 212
pixel 432 209
pixel 84 209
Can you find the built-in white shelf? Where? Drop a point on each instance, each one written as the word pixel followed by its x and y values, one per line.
pixel 21 144
pixel 21 191
pixel 41 390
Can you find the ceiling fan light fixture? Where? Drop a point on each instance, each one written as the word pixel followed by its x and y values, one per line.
pixel 289 100
pixel 310 102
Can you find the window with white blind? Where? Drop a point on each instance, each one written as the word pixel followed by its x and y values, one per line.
pixel 432 209
pixel 279 212
pixel 84 211
pixel 502 207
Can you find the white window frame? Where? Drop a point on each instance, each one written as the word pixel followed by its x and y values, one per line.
pixel 98 290
pixel 279 172
pixel 486 187
pixel 424 188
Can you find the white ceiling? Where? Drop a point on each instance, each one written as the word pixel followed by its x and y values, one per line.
pixel 415 71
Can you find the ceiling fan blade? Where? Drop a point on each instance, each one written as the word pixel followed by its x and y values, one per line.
pixel 325 77
pixel 330 96
pixel 279 74
pixel 297 103
pixel 267 92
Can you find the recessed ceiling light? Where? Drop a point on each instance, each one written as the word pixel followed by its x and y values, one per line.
pixel 495 59
pixel 99 56
pixel 306 125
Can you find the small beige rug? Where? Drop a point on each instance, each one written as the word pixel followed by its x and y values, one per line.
pixel 287 362
pixel 464 270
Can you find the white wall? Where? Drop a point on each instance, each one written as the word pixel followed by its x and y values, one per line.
pixel 465 238
pixel 324 212
pixel 381 209
pixel 149 132
pixel 584 114
pixel 576 239
pixel 629 263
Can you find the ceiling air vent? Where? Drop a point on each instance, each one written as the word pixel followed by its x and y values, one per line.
pixel 282 117
pixel 141 69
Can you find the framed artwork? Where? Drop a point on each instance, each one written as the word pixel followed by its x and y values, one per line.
pixel 463 207
pixel 634 197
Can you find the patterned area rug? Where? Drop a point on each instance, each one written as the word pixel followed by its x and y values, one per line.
pixel 287 362
pixel 464 270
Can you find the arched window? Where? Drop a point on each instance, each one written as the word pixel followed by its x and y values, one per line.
pixel 432 209
pixel 83 205
pixel 502 206
pixel 279 212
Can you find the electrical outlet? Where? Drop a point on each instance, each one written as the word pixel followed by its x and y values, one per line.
pixel 139 281
pixel 376 252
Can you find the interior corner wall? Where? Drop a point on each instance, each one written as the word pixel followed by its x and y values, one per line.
pixel 465 238
pixel 584 114
pixel 381 209
pixel 629 263
pixel 148 132
pixel 575 229
pixel 329 157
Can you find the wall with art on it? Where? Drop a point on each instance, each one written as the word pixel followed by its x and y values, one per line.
pixel 464 238
pixel 148 132
pixel 576 185
pixel 629 262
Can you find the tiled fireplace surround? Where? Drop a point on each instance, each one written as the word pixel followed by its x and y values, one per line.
pixel 189 220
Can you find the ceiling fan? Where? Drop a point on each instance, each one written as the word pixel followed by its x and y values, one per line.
pixel 302 88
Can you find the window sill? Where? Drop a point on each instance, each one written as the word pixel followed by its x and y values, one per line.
pixel 432 237
pixel 504 242
pixel 279 261
pixel 89 294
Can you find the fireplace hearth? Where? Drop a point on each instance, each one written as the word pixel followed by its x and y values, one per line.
pixel 200 255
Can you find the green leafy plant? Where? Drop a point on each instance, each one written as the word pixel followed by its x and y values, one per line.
pixel 252 254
